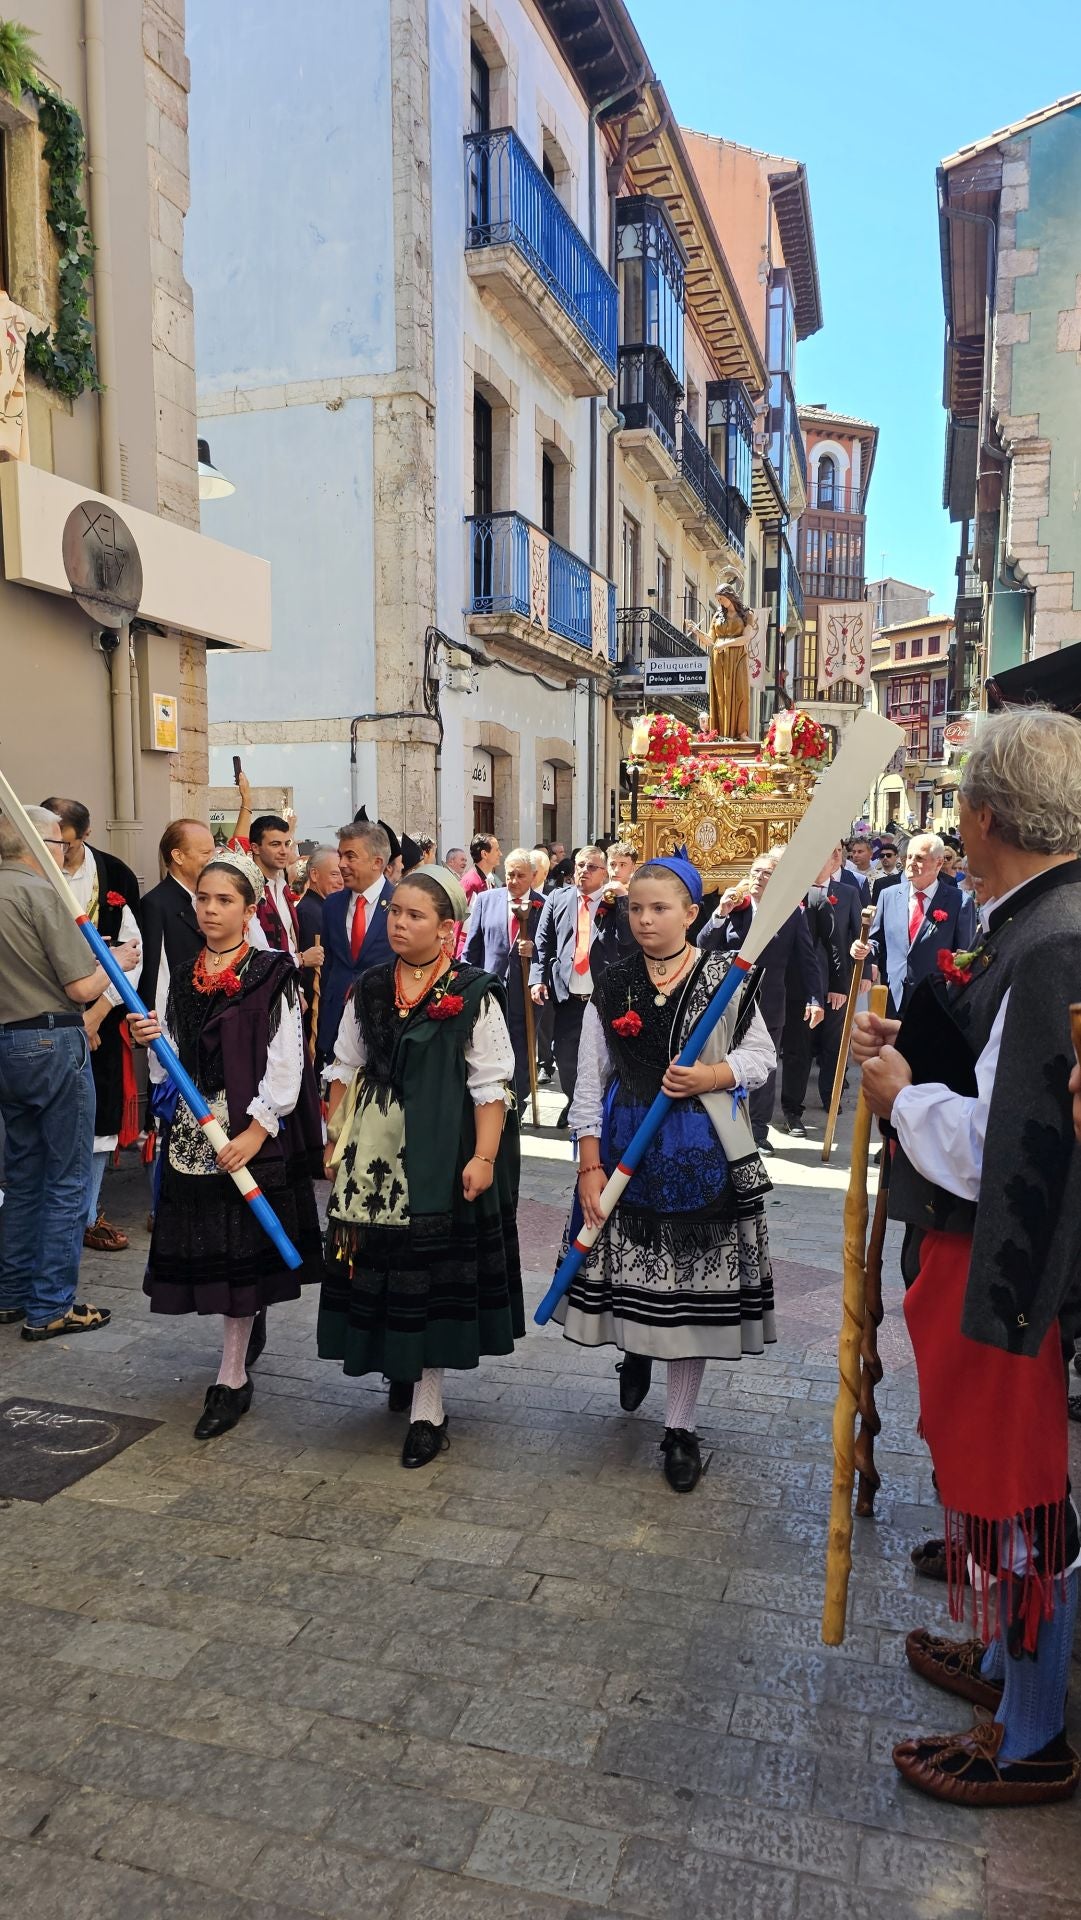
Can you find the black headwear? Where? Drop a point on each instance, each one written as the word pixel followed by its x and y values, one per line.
pixel 395 843
pixel 411 854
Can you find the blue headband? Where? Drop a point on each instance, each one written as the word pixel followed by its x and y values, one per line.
pixel 684 870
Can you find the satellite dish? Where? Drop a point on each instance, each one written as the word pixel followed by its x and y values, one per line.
pixel 102 563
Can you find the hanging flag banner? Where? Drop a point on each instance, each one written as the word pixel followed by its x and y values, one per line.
pixel 598 593
pixel 756 641
pixel 844 643
pixel 538 578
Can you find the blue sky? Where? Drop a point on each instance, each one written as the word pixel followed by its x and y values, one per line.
pixel 871 99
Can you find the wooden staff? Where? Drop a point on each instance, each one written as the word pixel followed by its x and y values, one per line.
pixel 870 1360
pixel 846 1405
pixel 866 918
pixel 316 984
pixel 530 1037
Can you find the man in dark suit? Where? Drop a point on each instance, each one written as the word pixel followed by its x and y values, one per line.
pixel 890 870
pixel 915 921
pixel 727 930
pixel 170 929
pixel 324 877
pixel 844 903
pixel 500 935
pixel 834 972
pixel 579 933
pixel 354 923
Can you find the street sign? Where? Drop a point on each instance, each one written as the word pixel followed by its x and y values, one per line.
pixel 686 675
pixel 102 563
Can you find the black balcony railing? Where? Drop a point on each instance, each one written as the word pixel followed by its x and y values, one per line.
pixel 842 694
pixel 834 586
pixel 701 472
pixel 643 634
pixel 834 496
pixel 649 393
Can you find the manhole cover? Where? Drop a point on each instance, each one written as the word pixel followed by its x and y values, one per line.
pixel 45 1447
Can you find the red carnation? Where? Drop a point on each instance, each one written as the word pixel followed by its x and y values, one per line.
pixel 947 965
pixel 113 899
pixel 832 898
pixel 628 1026
pixel 445 1008
pixel 939 914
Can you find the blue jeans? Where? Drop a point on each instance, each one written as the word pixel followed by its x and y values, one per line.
pixel 47 1101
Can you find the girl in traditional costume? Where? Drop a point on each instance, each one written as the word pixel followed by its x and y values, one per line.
pixel 681 1273
pixel 233 1016
pixel 422 1258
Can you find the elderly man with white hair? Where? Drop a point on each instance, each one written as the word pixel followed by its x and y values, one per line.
pixel 915 921
pixel 47 1099
pixel 986 1177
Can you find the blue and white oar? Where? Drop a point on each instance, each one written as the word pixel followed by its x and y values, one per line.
pixel 185 1085
pixel 869 746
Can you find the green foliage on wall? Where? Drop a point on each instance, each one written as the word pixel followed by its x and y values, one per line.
pixel 64 359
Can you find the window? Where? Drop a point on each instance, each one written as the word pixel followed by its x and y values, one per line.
pixel 482 455
pixel 690 599
pixel 548 495
pixel 548 168
pixel 690 404
pixel 937 742
pixel 480 91
pixel 664 584
pixel 900 651
pixel 649 272
pixel 827 481
pixel 781 325
pixel 917 648
pixel 934 644
pixel 632 541
pixel 938 696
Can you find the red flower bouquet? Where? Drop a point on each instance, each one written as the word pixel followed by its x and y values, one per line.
pixel 809 740
pixel 669 739
pixel 446 1006
pixel 113 899
pixel 629 1025
pixel 939 914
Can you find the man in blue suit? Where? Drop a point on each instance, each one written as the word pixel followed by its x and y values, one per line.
pixel 915 920
pixel 354 923
pixel 499 935
pixel 578 934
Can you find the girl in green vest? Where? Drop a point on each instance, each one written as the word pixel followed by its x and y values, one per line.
pixel 422 1265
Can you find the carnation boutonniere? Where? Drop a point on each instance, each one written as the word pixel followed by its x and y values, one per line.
pixel 628 1025
pixel 832 898
pixel 958 968
pixel 940 915
pixel 601 914
pixel 113 899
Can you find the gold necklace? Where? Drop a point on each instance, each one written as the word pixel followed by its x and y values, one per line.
pixel 427 974
pixel 662 992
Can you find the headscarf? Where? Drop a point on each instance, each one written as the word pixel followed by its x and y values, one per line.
pixel 450 884
pixel 684 869
pixel 243 864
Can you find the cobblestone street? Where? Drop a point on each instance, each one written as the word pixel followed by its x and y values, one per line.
pixel 276 1674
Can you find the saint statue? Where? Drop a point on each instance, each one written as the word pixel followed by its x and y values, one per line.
pixel 729 686
pixel 15 323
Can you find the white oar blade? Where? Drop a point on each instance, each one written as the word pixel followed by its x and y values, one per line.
pixel 869 746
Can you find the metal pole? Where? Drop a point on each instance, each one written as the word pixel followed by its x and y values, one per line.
pixel 123 830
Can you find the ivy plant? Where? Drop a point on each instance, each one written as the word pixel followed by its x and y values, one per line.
pixel 64 359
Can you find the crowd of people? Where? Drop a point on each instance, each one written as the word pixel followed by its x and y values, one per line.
pixel 379 1017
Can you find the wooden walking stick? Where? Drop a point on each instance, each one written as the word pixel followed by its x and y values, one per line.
pixel 316 984
pixel 870 1425
pixel 866 918
pixel 530 1037
pixel 846 1405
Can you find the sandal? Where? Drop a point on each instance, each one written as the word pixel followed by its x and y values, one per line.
pixel 102 1237
pixel 77 1319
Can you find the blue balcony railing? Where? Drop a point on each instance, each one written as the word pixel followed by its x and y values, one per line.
pixel 499 553
pixel 509 201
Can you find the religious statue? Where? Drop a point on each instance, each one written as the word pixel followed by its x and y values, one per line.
pixel 15 323
pixel 729 687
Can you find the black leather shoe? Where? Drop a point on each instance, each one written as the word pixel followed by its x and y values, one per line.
pixel 400 1396
pixel 562 1121
pixel 223 1407
pixel 682 1459
pixel 635 1372
pixel 10 1315
pixel 423 1441
pixel 256 1339
pixel 765 1146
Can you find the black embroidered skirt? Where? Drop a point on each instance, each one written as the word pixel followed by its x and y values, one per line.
pixel 208 1253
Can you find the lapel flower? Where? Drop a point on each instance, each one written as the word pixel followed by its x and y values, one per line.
pixel 832 898
pixel 953 966
pixel 114 899
pixel 629 1025
pixel 446 1006
pixel 939 914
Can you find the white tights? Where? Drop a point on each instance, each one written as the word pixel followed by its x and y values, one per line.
pixel 684 1386
pixel 233 1371
pixel 428 1397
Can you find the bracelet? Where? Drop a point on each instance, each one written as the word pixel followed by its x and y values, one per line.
pixel 597 1169
pixel 716 1071
pixel 486 1157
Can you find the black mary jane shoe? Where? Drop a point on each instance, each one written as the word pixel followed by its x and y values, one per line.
pixel 222 1409
pixel 682 1459
pixel 423 1441
pixel 400 1396
pixel 635 1372
pixel 256 1340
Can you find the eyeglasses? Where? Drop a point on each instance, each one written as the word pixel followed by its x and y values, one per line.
pixel 54 843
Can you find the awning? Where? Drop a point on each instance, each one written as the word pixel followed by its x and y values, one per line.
pixel 1051 680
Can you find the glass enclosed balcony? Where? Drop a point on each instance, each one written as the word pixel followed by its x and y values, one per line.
pixel 524 248
pixel 730 421
pixel 649 394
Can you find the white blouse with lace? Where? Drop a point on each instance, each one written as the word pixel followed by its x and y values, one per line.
pixel 279 1089
pixel 489 1055
pixel 752 1062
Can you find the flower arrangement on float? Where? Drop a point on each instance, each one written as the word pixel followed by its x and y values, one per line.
pixel 793 735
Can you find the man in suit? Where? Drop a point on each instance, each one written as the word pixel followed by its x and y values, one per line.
pixel 324 877
pixel 727 929
pixel 890 871
pixel 354 923
pixel 915 921
pixel 844 903
pixel 858 867
pixel 170 930
pixel 822 908
pixel 269 840
pixel 578 935
pixel 485 856
pixel 500 935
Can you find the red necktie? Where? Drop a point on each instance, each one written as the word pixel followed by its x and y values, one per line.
pixel 360 926
pixel 915 918
pixel 515 927
pixel 581 944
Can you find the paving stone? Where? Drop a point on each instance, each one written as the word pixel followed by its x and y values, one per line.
pixel 544 1729
pixel 818 1900
pixel 351 1746
pixel 436 1896
pixel 488 1546
pixel 37 1739
pixel 26 1800
pixel 122 1646
pixel 824 1847
pixel 628 1806
pixel 546 1856
pixel 157 1839
pixel 943 1873
pixel 666 1750
pixel 655 1880
pixel 329 1880
pixel 36 1884
pixel 405 1824
pixel 467 1773
pixel 285 1794
pixel 824 1729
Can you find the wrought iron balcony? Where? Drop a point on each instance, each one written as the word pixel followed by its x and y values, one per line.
pixel 500 561
pixel 643 634
pixel 701 472
pixel 835 496
pixel 834 586
pixel 842 694
pixel 524 247
pixel 649 393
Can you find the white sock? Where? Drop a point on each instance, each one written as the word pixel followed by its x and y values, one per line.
pixel 684 1385
pixel 233 1372
pixel 428 1397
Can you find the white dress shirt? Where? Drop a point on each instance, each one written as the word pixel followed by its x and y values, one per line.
pixel 489 1055
pixel 279 1089
pixel 371 895
pixel 928 895
pixel 275 887
pixel 751 1062
pixel 582 983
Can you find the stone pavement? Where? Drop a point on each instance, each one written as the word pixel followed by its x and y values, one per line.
pixel 276 1675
